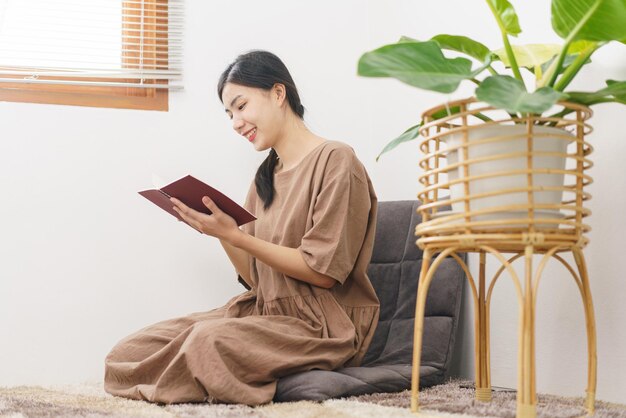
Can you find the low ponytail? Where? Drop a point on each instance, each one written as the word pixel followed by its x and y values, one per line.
pixel 264 179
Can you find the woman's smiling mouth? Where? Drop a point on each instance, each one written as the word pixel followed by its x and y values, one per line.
pixel 251 134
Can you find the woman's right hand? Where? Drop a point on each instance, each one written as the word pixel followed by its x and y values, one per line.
pixel 218 224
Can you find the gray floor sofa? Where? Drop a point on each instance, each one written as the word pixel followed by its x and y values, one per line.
pixel 394 272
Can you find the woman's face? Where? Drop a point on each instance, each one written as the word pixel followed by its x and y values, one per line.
pixel 256 114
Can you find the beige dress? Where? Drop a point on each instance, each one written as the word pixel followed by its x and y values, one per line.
pixel 326 208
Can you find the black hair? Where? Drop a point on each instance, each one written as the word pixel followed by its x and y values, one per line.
pixel 262 69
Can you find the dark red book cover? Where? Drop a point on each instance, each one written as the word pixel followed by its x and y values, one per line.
pixel 190 191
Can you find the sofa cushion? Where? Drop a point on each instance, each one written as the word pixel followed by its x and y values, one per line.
pixel 394 271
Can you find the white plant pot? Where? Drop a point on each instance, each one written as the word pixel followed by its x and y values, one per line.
pixel 546 139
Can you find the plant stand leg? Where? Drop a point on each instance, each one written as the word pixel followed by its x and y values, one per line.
pixel 483 383
pixel 526 392
pixel 420 304
pixel 592 366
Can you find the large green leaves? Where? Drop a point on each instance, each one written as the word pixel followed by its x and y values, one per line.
pixel 530 55
pixel 419 64
pixel 505 16
pixel 408 135
pixel 508 93
pixel 413 132
pixel 569 59
pixel 464 45
pixel 614 92
pixel 617 90
pixel 458 43
pixel 577 47
pixel 591 20
pixel 574 49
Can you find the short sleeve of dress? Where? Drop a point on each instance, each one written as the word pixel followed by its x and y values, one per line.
pixel 339 218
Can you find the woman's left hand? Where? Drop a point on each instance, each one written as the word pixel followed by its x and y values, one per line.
pixel 218 224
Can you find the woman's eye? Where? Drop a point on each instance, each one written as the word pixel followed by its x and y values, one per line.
pixel 242 106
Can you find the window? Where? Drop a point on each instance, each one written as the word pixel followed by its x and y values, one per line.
pixel 103 53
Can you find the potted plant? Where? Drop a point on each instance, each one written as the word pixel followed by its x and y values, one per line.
pixel 584 25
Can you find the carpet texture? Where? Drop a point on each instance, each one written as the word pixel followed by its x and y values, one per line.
pixel 451 399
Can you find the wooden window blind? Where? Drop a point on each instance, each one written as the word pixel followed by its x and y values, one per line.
pixel 104 53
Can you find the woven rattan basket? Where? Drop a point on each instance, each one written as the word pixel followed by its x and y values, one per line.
pixel 488 176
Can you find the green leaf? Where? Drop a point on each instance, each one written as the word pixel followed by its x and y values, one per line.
pixel 419 64
pixel 508 93
pixel 580 46
pixel 447 111
pixel 408 135
pixel 569 59
pixel 506 16
pixel 464 45
pixel 591 20
pixel 413 132
pixel 530 55
pixel 615 90
pixel 407 39
pixel 574 49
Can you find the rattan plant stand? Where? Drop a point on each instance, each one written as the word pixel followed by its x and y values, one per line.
pixel 512 203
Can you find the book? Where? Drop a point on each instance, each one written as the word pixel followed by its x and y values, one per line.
pixel 190 191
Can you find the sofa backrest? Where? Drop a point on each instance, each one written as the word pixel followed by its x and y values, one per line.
pixel 394 271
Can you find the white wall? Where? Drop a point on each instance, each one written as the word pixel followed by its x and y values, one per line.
pixel 85 260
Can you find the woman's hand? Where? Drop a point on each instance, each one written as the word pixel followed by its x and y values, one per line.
pixel 218 224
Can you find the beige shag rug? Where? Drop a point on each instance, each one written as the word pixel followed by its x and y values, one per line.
pixel 452 399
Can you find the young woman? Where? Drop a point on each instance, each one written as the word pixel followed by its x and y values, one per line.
pixel 310 304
